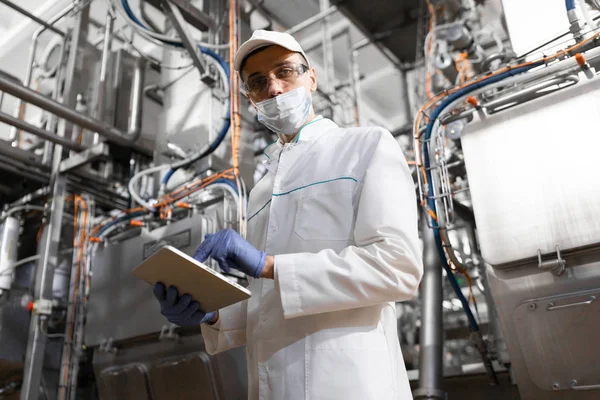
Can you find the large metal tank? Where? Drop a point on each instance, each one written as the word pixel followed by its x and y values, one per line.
pixel 534 177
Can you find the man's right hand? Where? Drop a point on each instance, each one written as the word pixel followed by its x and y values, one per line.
pixel 181 310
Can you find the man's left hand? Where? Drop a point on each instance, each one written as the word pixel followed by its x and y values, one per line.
pixel 230 250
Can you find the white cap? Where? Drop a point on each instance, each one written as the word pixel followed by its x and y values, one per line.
pixel 261 38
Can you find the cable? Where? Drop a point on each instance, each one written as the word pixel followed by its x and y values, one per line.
pixel 118 220
pixel 131 186
pixel 522 57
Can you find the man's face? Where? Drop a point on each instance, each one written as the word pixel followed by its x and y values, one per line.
pixel 266 64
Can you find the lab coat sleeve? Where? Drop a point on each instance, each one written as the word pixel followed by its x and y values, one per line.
pixel 385 265
pixel 229 331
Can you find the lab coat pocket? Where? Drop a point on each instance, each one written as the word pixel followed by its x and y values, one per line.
pixel 342 364
pixel 325 216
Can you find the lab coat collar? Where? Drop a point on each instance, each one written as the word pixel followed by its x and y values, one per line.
pixel 308 133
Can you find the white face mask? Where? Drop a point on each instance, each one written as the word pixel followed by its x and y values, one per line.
pixel 285 114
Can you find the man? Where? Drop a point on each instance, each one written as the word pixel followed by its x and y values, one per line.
pixel 332 244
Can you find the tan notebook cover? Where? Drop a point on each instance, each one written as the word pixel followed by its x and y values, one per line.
pixel 173 267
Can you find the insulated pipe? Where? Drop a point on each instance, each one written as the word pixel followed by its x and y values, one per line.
pixel 68 113
pixel 39 132
pixel 431 343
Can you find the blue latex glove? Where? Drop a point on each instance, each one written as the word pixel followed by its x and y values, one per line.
pixel 230 250
pixel 182 310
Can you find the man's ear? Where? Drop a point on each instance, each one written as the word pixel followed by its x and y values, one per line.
pixel 312 75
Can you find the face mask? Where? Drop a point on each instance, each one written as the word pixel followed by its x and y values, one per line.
pixel 286 113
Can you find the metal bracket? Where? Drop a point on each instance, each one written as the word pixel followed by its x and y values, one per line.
pixel 107 346
pixel 167 332
pixel 93 153
pixel 555 266
pixel 174 14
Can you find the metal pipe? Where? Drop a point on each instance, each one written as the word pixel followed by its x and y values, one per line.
pixel 31 60
pixel 16 209
pixel 337 30
pixel 406 98
pixel 354 70
pixel 32 17
pixel 115 36
pixel 431 366
pixel 23 169
pixel 136 100
pixel 37 99
pixel 41 192
pixel 328 62
pixel 20 155
pixel 312 20
pixel 106 48
pixel 39 132
pixel 10 76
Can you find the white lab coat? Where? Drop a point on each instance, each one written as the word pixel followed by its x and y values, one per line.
pixel 337 209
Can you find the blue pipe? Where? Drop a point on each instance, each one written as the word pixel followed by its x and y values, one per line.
pixel 438 240
pixel 570 4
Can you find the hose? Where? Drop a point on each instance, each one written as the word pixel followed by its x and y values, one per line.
pixel 146 31
pixel 134 179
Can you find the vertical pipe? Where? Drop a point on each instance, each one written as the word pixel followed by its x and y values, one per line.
pixel 406 97
pixel 106 49
pixel 431 365
pixel 51 236
pixel 355 80
pixel 354 71
pixel 136 100
pixel 328 63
